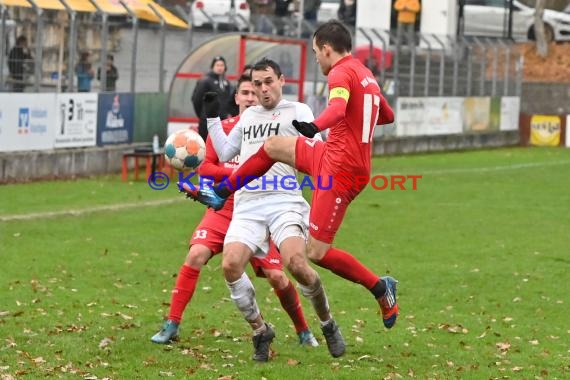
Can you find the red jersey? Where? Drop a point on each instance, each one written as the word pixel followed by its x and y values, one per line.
pixel 352 113
pixel 212 167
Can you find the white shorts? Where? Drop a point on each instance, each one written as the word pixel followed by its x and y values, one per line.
pixel 280 216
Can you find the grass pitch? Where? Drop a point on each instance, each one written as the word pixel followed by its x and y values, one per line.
pixel 481 250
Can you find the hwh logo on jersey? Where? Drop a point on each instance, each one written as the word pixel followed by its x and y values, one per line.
pixel 258 131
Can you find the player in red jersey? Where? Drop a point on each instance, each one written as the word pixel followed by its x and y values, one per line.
pixel 208 240
pixel 355 107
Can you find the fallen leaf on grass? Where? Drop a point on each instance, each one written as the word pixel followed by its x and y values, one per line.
pixel 226 377
pixel 105 342
pixel 292 362
pixel 166 374
pixel 38 360
pixel 455 329
pixel 503 346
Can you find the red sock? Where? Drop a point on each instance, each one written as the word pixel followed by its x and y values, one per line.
pixel 183 291
pixel 345 265
pixel 289 299
pixel 254 167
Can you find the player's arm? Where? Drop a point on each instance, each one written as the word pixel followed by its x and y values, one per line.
pixel 211 167
pixel 335 110
pixel 226 146
pixel 305 115
pixel 386 114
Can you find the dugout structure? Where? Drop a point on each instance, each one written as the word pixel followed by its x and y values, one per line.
pixel 238 50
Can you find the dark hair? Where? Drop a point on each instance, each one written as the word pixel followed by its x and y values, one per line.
pixel 110 57
pixel 335 34
pixel 264 63
pixel 247 67
pixel 241 79
pixel 216 59
pixel 21 39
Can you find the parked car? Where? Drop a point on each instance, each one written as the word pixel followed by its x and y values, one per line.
pixel 207 12
pixel 490 18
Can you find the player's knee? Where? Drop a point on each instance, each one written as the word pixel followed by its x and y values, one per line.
pixel 198 255
pixel 231 268
pixel 300 269
pixel 276 278
pixel 314 255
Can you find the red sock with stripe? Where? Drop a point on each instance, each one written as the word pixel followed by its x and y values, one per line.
pixel 345 265
pixel 183 291
pixel 291 303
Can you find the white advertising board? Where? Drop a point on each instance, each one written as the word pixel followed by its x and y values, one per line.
pixel 510 111
pixel 76 120
pixel 429 116
pixel 27 122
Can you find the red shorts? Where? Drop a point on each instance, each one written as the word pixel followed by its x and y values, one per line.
pixel 329 201
pixel 211 232
pixel 271 261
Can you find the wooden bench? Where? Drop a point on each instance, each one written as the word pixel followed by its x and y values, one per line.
pixel 153 162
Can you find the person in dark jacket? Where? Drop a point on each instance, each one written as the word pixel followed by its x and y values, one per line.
pixel 17 59
pixel 214 81
pixel 347 12
pixel 112 74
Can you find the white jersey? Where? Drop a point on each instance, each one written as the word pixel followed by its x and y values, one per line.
pixel 256 124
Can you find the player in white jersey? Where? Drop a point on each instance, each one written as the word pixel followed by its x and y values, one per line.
pixel 266 207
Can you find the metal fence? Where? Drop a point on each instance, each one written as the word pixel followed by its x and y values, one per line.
pixel 433 66
pixel 436 65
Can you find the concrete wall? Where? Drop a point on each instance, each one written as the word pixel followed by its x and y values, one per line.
pixel 72 163
pixel 65 163
pixel 406 145
pixel 545 98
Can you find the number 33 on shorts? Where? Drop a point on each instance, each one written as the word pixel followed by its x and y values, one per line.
pixel 200 234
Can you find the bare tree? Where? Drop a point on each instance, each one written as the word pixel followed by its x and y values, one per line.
pixel 539 34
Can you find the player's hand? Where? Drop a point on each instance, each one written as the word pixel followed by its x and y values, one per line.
pixel 306 129
pixel 211 104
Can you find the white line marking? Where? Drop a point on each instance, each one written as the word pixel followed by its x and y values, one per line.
pixel 483 169
pixel 124 206
pixel 83 211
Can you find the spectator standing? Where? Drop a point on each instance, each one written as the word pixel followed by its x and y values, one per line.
pixel 407 14
pixel 260 11
pixel 310 10
pixel 282 11
pixel 214 81
pixel 347 12
pixel 16 63
pixel 84 72
pixel 112 74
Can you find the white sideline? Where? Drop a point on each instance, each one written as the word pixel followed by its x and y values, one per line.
pixel 484 169
pixel 123 206
pixel 83 211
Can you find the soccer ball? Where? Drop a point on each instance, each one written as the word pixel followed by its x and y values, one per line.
pixel 184 150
